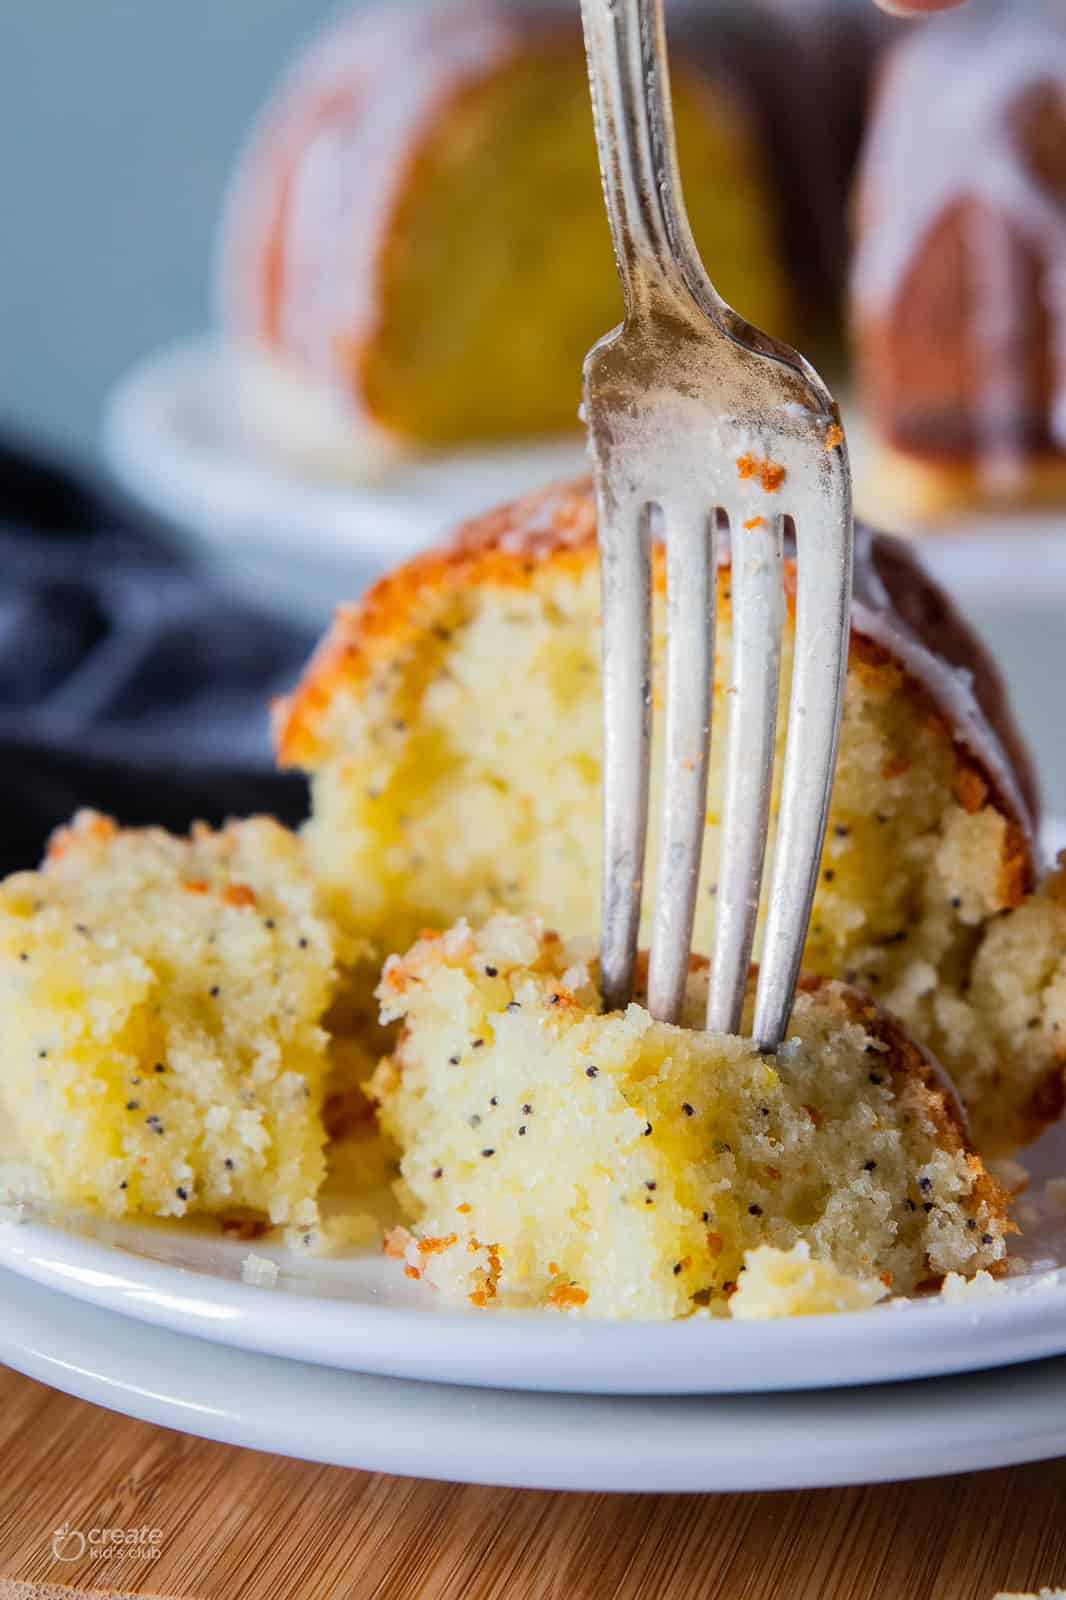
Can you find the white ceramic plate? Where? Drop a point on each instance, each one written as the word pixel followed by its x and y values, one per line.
pixel 176 435
pixel 548 1441
pixel 360 1313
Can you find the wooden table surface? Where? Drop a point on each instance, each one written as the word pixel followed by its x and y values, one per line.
pixel 237 1525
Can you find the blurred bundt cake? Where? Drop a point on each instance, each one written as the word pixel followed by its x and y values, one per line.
pixel 415 239
pixel 451 725
pixel 958 298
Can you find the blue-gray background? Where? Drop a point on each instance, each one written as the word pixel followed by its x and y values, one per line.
pixel 119 120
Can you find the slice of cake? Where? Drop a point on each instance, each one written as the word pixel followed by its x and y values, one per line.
pixel 163 999
pixel 451 723
pixel 556 1156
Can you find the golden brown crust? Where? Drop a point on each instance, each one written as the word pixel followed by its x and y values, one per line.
pixel 88 830
pixel 86 827
pixel 509 547
pixel 931 614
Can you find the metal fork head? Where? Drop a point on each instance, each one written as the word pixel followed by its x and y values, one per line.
pixel 695 419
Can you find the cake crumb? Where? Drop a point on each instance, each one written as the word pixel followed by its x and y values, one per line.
pixel 259 1271
pixel 956 1288
pixel 771 474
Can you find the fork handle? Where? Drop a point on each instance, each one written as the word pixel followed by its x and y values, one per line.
pixel 625 41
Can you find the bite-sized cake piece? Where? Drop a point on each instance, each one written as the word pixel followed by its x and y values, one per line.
pixel 163 1001
pixel 792 1283
pixel 555 1155
pixel 451 723
pixel 415 235
pixel 958 308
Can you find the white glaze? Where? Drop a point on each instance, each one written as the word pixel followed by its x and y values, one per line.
pixel 943 133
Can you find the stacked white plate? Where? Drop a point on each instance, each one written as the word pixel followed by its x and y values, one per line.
pixel 535 1440
pixel 178 436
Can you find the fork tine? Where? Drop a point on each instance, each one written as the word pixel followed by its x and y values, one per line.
pixel 823 616
pixel 625 567
pixel 691 585
pixel 758 617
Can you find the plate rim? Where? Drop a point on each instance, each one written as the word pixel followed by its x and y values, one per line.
pixel 548 1352
pixel 195 478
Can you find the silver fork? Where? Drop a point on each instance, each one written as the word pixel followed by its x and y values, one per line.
pixel 696 420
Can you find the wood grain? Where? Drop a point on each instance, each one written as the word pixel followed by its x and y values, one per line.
pixel 238 1525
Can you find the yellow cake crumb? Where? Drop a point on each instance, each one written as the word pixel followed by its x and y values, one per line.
pixel 260 1271
pixel 163 1002
pixel 956 1288
pixel 611 1165
pixel 790 1283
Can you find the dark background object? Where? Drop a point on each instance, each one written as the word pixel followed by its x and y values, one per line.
pixel 128 680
